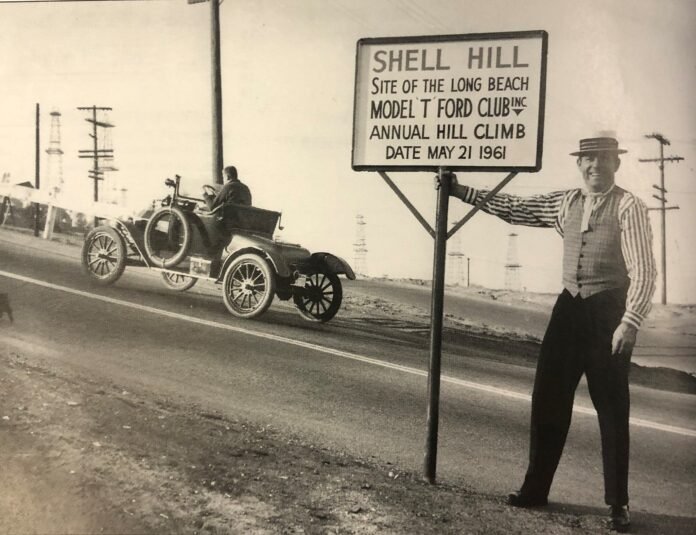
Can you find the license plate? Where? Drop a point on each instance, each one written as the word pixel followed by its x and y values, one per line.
pixel 300 281
pixel 200 266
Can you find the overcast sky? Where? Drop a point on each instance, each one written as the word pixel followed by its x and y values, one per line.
pixel 288 72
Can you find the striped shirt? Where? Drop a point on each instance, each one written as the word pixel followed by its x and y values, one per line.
pixel 551 210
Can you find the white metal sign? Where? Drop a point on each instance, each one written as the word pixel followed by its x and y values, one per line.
pixel 470 102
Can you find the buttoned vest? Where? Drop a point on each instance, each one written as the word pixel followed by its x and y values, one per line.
pixel 592 260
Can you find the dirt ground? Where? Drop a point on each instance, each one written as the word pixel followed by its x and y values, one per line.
pixel 80 456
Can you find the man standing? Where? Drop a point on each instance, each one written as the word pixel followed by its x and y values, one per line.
pixel 234 191
pixel 608 283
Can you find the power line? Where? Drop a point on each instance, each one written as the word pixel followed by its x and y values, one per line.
pixel 661 196
pixel 95 153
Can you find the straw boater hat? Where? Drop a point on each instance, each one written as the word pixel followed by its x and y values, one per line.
pixel 598 144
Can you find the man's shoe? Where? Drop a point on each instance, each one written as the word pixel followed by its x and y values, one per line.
pixel 619 518
pixel 519 499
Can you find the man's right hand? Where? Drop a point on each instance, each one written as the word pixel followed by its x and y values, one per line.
pixel 624 340
pixel 456 189
pixel 453 180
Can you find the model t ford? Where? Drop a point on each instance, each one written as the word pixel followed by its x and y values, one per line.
pixel 231 245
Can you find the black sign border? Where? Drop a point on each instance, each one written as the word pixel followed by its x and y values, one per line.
pixel 531 34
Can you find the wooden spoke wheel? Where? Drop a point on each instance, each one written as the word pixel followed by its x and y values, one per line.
pixel 104 255
pixel 177 281
pixel 248 286
pixel 321 297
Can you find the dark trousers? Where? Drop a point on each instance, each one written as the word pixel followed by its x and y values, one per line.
pixel 578 340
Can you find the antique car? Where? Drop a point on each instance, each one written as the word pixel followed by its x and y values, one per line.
pixel 231 245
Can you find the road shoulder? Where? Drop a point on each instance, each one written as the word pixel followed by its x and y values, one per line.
pixel 83 456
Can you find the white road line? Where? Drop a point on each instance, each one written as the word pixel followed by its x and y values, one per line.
pixel 638 422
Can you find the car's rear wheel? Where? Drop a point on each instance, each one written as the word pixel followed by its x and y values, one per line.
pixel 321 297
pixel 104 255
pixel 248 286
pixel 177 281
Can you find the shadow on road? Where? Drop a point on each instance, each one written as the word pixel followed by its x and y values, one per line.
pixel 641 521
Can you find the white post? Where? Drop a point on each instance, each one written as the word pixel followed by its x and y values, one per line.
pixel 50 220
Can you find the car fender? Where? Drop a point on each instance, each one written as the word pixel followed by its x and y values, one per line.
pixel 335 264
pixel 124 231
pixel 281 256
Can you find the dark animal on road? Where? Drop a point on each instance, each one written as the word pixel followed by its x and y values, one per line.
pixel 5 306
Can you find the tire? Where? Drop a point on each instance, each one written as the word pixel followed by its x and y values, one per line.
pixel 248 286
pixel 178 237
pixel 178 282
pixel 104 255
pixel 321 298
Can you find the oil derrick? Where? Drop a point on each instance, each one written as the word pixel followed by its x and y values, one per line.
pixel 512 265
pixel 54 174
pixel 101 153
pixel 360 246
pixel 459 274
pixel 54 160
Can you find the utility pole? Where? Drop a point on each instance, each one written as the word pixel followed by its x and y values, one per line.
pixel 216 79
pixel 95 153
pixel 217 90
pixel 663 203
pixel 37 170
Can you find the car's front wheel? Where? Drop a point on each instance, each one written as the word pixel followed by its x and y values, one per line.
pixel 104 255
pixel 321 296
pixel 248 286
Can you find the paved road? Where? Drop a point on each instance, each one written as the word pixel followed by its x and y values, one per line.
pixel 655 347
pixel 340 385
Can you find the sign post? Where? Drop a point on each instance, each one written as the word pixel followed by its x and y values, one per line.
pixel 440 104
pixel 437 307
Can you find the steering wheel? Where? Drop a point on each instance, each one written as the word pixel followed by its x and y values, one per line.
pixel 209 190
